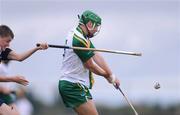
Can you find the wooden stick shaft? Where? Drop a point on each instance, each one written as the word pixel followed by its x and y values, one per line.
pixel 127 100
pixel 108 51
pixel 93 49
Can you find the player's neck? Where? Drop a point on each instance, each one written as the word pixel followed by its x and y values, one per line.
pixel 84 30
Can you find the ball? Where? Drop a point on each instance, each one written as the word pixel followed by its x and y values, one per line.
pixel 157 85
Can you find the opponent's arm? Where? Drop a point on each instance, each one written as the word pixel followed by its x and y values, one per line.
pixel 18 79
pixel 20 57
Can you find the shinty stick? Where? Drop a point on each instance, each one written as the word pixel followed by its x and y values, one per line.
pixel 93 49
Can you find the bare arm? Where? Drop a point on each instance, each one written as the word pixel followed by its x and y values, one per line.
pixel 20 57
pixel 6 79
pixel 18 79
pixel 93 67
pixel 99 60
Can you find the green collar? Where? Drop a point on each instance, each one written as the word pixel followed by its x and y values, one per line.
pixel 81 31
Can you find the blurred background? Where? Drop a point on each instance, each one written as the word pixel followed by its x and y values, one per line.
pixel 148 26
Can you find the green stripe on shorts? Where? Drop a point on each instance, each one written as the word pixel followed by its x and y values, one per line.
pixel 7 98
pixel 73 94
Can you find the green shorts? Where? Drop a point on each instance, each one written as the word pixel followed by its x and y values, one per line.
pixel 73 94
pixel 7 98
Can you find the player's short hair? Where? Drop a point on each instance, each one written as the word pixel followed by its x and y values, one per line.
pixel 5 31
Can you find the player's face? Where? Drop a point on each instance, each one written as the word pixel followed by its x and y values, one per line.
pixel 93 29
pixel 4 42
pixel 96 30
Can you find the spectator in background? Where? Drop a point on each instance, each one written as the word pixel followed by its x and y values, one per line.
pixel 24 106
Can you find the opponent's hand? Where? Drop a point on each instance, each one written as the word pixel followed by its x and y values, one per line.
pixel 42 46
pixel 20 80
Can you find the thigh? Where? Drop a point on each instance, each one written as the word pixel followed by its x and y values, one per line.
pixel 15 109
pixel 8 110
pixel 73 94
pixel 87 108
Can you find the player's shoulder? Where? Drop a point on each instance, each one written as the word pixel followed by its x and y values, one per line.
pixel 78 38
pixel 7 50
pixel 78 34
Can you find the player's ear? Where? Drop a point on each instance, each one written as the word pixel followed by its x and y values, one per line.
pixel 89 24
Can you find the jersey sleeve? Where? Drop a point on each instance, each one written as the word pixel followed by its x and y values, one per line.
pixel 4 54
pixel 79 42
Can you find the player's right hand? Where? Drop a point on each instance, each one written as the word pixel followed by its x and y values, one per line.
pixel 114 80
pixel 116 83
pixel 42 46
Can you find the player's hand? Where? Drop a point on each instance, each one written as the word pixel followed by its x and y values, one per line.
pixel 116 83
pixel 42 46
pixel 114 80
pixel 20 80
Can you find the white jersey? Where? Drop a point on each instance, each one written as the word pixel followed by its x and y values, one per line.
pixel 73 69
pixel 4 71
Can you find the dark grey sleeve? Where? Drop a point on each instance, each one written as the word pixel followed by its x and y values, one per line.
pixel 4 54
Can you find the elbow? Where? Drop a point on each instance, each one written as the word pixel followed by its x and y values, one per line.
pixel 20 59
pixel 89 64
